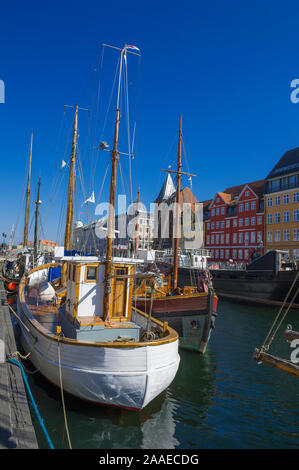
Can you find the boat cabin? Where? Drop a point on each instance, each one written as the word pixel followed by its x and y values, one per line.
pixel 84 301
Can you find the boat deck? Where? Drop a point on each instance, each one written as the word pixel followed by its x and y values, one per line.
pixel 48 315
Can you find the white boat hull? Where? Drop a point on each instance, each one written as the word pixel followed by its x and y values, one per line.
pixel 127 377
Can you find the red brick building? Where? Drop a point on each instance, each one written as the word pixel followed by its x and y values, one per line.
pixel 234 222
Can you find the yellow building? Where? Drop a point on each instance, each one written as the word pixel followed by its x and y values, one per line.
pixel 282 206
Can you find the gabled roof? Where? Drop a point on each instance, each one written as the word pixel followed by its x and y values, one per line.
pixel 167 189
pixel 289 163
pixel 256 186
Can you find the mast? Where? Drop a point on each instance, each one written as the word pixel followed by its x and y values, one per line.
pixel 178 211
pixel 111 215
pixel 37 203
pixel 25 240
pixel 70 198
pixel 137 224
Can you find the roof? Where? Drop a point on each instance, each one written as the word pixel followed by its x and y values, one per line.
pixel 256 186
pixel 167 189
pixel 289 163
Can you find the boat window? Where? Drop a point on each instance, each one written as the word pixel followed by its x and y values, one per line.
pixel 91 273
pixel 74 273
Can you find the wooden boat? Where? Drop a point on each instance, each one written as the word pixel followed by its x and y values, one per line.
pixel 190 312
pixel 82 332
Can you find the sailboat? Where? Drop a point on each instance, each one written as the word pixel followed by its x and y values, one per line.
pixel 13 268
pixel 190 312
pixel 82 332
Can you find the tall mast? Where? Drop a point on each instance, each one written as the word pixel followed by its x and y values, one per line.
pixel 25 241
pixel 178 214
pixel 37 203
pixel 111 215
pixel 70 198
pixel 137 224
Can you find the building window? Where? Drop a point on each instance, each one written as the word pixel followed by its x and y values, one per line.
pixel 208 225
pixel 222 239
pixel 240 237
pixel 277 217
pixel 252 220
pixel 296 215
pixel 213 212
pixel 277 236
pixel 240 254
pixel 269 202
pixel 217 239
pixel 295 254
pixel 222 224
pixel 212 239
pixel 269 218
pixel 212 253
pixel 286 235
pixel 208 239
pixel 234 238
pixel 296 234
pixel 227 223
pixel 286 199
pixel 234 254
pixel 286 216
pixel 296 197
pixel 247 206
pixel 259 237
pixel 252 237
pixel 227 238
pixel 246 238
pixel 241 208
pixel 247 193
pixel 246 254
pixel 235 223
pixel 259 220
pixel 221 254
pixel 217 211
pixel 217 254
pixel 217 224
pixel 269 236
pixel 212 225
pixel 253 205
pixel 240 222
pixel 247 221
pixel 277 200
pixel 218 199
pixel 222 210
pixel 226 254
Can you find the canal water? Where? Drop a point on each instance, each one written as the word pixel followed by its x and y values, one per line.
pixel 223 400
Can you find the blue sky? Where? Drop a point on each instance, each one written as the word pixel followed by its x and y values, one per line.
pixel 225 66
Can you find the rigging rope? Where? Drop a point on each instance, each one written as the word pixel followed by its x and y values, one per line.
pixel 265 345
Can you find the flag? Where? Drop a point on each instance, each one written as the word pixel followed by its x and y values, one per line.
pixel 90 199
pixel 125 51
pixel 133 47
pixel 62 164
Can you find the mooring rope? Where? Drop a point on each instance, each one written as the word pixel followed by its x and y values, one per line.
pixel 17 363
pixel 62 398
